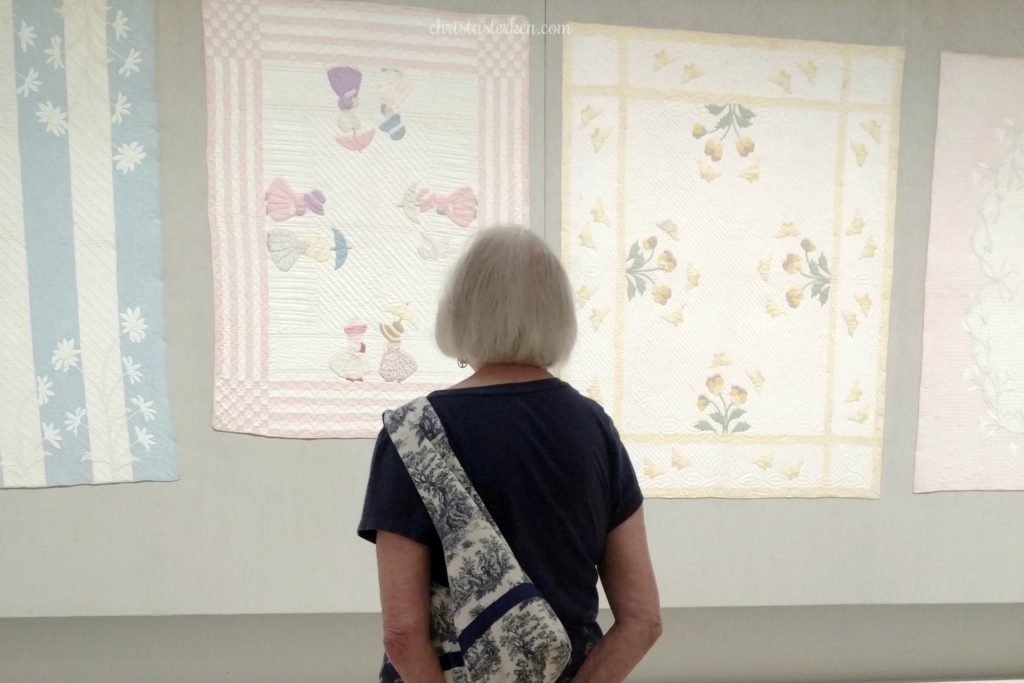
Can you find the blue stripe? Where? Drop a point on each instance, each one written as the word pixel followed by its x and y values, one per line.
pixel 451 660
pixel 49 242
pixel 496 610
pixel 137 218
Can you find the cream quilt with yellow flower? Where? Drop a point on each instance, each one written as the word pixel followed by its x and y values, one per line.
pixel 727 224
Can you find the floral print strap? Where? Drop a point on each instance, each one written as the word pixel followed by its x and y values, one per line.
pixel 505 630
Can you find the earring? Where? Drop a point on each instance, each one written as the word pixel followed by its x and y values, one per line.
pixel 463 362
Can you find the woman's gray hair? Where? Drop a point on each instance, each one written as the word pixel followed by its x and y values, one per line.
pixel 507 300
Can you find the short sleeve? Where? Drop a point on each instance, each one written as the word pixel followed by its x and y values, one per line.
pixel 626 497
pixel 392 503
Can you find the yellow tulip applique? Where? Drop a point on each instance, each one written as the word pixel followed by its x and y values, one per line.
pixel 720 359
pixel 586 238
pixel 869 248
pixel 873 128
pixel 692 278
pixel 860 151
pixel 856 225
pixel 864 300
pixel 794 297
pixel 588 114
pixel 764 267
pixel 661 294
pixel 744 145
pixel 764 461
pixel 851 322
pixel 713 149
pixel 751 173
pixel 708 172
pixel 670 228
pixel 583 294
pixel 783 80
pixel 674 317
pixel 690 72
pixel 598 137
pixel 667 262
pixel 652 469
pixel 757 379
pixel 599 214
pixel 787 230
pixel 793 471
pixel 810 70
pixel 680 461
pixel 662 59
pixel 597 317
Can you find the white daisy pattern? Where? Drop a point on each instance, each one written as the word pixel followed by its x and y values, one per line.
pixel 121 108
pixel 129 156
pixel 144 408
pixel 65 356
pixel 27 35
pixel 29 83
pixel 51 435
pixel 55 120
pixel 144 438
pixel 44 389
pixel 120 26
pixel 133 324
pixel 131 63
pixel 131 369
pixel 73 421
pixel 55 53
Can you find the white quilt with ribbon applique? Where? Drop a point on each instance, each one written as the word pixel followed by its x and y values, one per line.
pixel 971 428
pixel 83 382
pixel 353 150
pixel 727 224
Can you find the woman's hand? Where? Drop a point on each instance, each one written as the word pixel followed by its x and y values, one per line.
pixel 403 568
pixel 628 580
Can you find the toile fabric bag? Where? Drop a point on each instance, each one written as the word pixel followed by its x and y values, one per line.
pixel 491 623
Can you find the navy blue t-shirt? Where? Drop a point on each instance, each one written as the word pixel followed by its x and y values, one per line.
pixel 552 471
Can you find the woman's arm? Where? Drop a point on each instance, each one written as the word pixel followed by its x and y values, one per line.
pixel 403 568
pixel 628 580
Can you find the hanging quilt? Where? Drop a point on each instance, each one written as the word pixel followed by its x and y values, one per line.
pixel 971 427
pixel 83 384
pixel 727 223
pixel 353 150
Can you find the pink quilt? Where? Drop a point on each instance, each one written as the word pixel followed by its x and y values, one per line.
pixel 353 150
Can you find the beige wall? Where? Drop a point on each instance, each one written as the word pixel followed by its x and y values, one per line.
pixel 265 526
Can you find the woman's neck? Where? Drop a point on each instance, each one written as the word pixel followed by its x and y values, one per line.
pixel 503 373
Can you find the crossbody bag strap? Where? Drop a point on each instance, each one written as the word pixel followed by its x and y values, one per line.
pixel 459 515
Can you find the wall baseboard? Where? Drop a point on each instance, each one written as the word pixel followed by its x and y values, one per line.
pixel 754 645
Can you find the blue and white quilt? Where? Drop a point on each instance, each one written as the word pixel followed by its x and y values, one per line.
pixel 83 383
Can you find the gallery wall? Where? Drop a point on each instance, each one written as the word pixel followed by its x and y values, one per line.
pixel 260 525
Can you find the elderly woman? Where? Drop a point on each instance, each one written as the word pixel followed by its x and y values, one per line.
pixel 546 461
